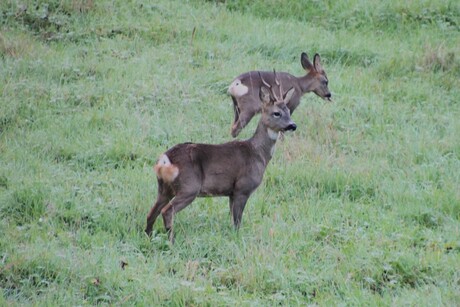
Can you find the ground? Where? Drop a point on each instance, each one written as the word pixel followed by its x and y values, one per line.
pixel 359 206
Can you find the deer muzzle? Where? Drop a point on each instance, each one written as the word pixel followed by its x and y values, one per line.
pixel 291 127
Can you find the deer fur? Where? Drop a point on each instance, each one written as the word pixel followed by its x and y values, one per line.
pixel 244 89
pixel 234 169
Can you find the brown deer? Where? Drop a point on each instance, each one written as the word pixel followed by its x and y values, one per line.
pixel 234 169
pixel 245 89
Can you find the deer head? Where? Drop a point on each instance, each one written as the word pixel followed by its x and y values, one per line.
pixel 275 113
pixel 317 74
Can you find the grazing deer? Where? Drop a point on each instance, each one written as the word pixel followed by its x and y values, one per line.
pixel 234 169
pixel 245 89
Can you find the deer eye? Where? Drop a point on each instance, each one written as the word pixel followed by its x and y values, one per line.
pixel 276 114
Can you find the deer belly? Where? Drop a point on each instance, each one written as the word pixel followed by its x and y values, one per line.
pixel 217 185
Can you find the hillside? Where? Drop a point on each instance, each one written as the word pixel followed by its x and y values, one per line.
pixel 359 206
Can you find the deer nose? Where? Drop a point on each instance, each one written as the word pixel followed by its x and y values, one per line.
pixel 291 127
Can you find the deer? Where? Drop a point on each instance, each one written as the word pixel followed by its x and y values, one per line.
pixel 234 169
pixel 245 88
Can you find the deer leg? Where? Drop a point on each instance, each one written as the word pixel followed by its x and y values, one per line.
pixel 236 109
pixel 164 196
pixel 177 204
pixel 244 117
pixel 237 208
pixel 230 203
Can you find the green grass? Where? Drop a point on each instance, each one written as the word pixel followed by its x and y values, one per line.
pixel 360 206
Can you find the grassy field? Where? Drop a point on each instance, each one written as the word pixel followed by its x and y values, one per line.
pixel 360 206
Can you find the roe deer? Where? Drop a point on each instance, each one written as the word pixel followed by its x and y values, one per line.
pixel 234 169
pixel 245 89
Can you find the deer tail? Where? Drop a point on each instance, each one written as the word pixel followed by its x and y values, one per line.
pixel 165 170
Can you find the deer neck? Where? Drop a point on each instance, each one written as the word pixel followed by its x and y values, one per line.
pixel 306 83
pixel 264 141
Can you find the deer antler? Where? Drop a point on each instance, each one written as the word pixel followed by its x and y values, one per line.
pixel 277 82
pixel 264 82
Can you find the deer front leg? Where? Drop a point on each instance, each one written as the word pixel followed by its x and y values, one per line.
pixel 164 196
pixel 177 204
pixel 238 202
pixel 230 203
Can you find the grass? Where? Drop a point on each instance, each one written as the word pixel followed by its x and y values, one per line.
pixel 360 206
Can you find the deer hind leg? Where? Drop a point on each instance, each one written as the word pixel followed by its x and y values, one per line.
pixel 164 196
pixel 245 108
pixel 245 116
pixel 236 109
pixel 177 204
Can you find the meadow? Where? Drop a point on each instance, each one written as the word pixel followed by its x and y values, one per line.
pixel 359 206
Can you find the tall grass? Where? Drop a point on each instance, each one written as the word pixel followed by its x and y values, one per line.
pixel 360 206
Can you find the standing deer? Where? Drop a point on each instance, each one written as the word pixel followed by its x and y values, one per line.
pixel 234 169
pixel 245 89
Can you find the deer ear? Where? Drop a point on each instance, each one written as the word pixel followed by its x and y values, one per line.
pixel 288 95
pixel 306 64
pixel 264 95
pixel 317 63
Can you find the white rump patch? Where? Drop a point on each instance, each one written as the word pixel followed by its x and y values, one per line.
pixel 164 160
pixel 237 89
pixel 272 134
pixel 165 169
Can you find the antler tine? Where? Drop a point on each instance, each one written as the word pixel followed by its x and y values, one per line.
pixel 281 89
pixel 268 86
pixel 279 84
pixel 276 79
pixel 264 82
